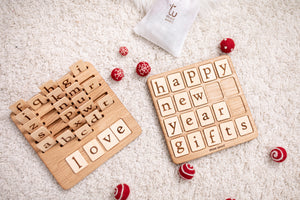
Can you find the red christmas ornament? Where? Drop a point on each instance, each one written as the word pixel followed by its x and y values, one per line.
pixel 122 192
pixel 186 171
pixel 123 51
pixel 278 154
pixel 227 45
pixel 117 74
pixel 230 199
pixel 143 68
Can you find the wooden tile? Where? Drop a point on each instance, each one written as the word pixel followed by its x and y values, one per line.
pixel 68 114
pixel 108 139
pixel 78 67
pixel 37 101
pixel 32 125
pixel 244 126
pixel 73 90
pixel 65 137
pixel 205 116
pixel 93 149
pixel 93 117
pixel 221 111
pixel 166 106
pixel 159 86
pixel 90 85
pixel 62 104
pixel 25 116
pixel 189 121
pixel 56 95
pixel 191 77
pixel 172 126
pixel 83 131
pixel 229 87
pixel 80 99
pixel 87 107
pixel 212 136
pixel 228 131
pixel 182 101
pixel 236 106
pixel 105 102
pixel 213 92
pixel 175 82
pixel 46 144
pixel 76 122
pixel 76 162
pixel 65 81
pixel 198 96
pixel 223 68
pixel 120 129
pixel 196 141
pixel 179 147
pixel 40 133
pixel 48 87
pixel 207 72
pixel 18 106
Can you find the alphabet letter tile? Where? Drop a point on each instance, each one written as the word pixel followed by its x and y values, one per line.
pixel 105 102
pixel 198 96
pixel 120 129
pixel 166 106
pixel 48 87
pixel 87 108
pixel 93 117
pixel 196 141
pixel 90 85
pixel 244 126
pixel 83 131
pixel 179 147
pixel 19 106
pixel 182 101
pixel 68 114
pixel 228 131
pixel 73 90
pixel 32 125
pixel 212 136
pixel 65 81
pixel 93 149
pixel 37 101
pixel 189 121
pixel 40 133
pixel 78 67
pixel 76 122
pixel 62 104
pixel 25 116
pixel 207 72
pixel 191 77
pixel 223 68
pixel 221 111
pixel 159 86
pixel 65 137
pixel 108 139
pixel 46 144
pixel 76 162
pixel 80 99
pixel 205 116
pixel 172 126
pixel 176 82
pixel 55 95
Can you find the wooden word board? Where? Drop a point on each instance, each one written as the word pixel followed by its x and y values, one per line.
pixel 75 124
pixel 201 109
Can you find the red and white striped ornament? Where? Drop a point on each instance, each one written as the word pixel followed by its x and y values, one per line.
pixel 123 51
pixel 122 192
pixel 278 154
pixel 186 171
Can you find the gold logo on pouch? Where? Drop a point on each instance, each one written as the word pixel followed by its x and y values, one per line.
pixel 170 17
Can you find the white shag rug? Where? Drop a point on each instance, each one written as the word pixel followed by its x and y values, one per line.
pixel 41 39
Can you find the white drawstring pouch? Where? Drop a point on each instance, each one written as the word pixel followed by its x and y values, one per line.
pixel 167 22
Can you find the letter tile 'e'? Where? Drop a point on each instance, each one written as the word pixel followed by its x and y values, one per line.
pixel 228 131
pixel 244 126
pixel 207 72
pixel 159 86
pixel 179 147
pixel 223 68
pixel 182 101
pixel 212 136
pixel 221 111
pixel 172 126
pixel 93 149
pixel 108 139
pixel 205 116
pixel 166 106
pixel 191 77
pixel 189 121
pixel 76 162
pixel 198 96
pixel 175 82
pixel 120 129
pixel 196 141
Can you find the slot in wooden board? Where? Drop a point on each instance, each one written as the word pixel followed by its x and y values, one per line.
pixel 201 109
pixel 70 152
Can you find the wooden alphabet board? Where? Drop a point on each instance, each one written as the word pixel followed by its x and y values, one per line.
pixel 75 124
pixel 201 109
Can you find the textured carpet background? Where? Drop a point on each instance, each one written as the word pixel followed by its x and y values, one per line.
pixel 40 40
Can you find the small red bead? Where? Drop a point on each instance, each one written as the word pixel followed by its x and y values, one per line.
pixel 117 74
pixel 186 171
pixel 123 51
pixel 143 68
pixel 227 45
pixel 122 192
pixel 278 154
